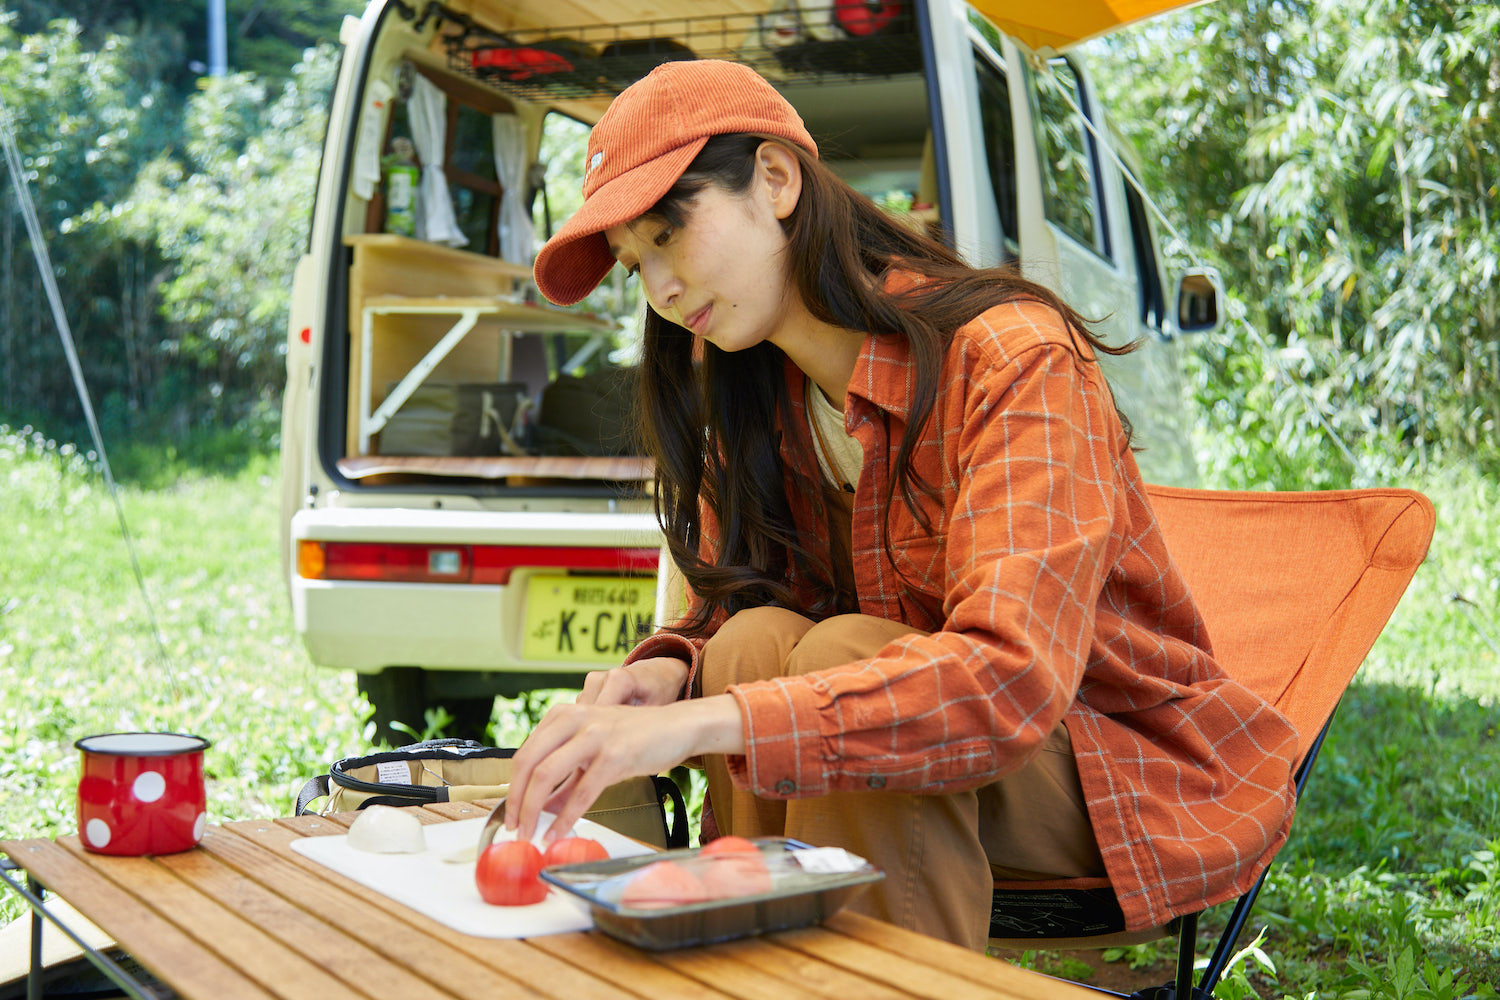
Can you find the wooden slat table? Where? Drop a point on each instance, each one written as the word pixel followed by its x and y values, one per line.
pixel 244 916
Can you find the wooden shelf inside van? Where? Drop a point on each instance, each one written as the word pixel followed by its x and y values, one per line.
pixel 476 269
pixel 400 287
pixel 623 468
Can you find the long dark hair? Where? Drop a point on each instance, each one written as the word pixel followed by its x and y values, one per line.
pixel 715 426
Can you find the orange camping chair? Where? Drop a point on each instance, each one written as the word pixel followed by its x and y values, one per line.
pixel 1294 588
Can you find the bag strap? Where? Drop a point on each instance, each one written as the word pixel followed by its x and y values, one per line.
pixel 439 744
pixel 315 788
pixel 666 788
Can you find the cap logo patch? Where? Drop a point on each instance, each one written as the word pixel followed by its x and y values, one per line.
pixel 594 161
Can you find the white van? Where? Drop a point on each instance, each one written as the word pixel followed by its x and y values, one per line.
pixel 463 514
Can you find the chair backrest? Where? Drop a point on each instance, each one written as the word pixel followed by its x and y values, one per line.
pixel 1295 587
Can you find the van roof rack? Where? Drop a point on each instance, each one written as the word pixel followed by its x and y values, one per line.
pixel 787 45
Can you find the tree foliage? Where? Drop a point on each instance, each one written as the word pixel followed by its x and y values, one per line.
pixel 264 37
pixel 1339 162
pixel 83 121
pixel 230 213
pixel 173 225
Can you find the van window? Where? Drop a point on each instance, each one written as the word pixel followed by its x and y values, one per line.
pixel 470 166
pixel 999 142
pixel 1070 159
pixel 1153 299
pixel 564 142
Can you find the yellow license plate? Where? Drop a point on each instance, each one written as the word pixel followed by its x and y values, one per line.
pixel 591 619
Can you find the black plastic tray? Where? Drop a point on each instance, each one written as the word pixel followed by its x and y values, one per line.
pixel 797 898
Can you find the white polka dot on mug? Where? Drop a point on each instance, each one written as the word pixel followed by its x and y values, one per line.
pixel 141 793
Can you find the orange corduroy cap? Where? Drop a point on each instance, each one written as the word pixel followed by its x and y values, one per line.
pixel 649 135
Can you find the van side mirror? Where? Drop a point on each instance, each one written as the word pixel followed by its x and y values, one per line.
pixel 1200 301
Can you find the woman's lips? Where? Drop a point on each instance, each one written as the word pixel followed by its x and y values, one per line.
pixel 698 320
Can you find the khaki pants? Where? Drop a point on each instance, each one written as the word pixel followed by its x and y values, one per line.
pixel 940 853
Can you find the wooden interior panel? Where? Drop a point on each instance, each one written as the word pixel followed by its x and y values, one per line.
pixel 388 264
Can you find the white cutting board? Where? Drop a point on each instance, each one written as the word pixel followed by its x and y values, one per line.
pixel 445 891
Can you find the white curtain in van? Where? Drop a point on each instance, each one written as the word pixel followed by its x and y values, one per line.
pixel 428 110
pixel 366 172
pixel 510 171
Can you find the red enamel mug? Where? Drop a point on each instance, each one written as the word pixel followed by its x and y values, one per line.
pixel 141 793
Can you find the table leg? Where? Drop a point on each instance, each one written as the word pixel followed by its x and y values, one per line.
pixel 32 893
pixel 34 973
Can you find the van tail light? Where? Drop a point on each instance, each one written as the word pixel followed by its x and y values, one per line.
pixel 492 564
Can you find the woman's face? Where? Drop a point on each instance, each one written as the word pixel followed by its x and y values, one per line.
pixel 722 274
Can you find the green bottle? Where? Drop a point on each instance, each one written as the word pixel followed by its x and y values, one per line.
pixel 401 178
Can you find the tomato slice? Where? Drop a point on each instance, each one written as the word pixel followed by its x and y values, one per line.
pixel 663 884
pixel 728 844
pixel 506 874
pixel 571 850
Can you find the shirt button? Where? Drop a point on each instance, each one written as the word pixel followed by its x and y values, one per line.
pixel 876 781
pixel 786 786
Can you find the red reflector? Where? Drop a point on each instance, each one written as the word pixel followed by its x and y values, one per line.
pixel 397 563
pixel 493 564
pixel 306 335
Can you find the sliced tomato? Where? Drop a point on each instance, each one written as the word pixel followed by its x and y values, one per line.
pixel 728 845
pixel 507 874
pixel 571 850
pixel 663 884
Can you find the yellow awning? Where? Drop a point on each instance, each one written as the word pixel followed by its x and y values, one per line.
pixel 1063 23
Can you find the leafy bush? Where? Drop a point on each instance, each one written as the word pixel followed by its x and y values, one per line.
pixel 173 233
pixel 232 216
pixel 1336 162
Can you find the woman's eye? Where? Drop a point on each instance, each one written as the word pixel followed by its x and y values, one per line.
pixel 663 237
pixel 632 270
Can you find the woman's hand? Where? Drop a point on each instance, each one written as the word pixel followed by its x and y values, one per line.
pixel 578 750
pixel 657 680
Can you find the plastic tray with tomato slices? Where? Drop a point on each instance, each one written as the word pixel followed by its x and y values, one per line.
pixel 805 885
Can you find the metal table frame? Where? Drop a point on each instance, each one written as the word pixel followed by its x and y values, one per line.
pixel 32 891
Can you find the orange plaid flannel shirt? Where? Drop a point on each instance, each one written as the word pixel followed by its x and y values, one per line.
pixel 1048 594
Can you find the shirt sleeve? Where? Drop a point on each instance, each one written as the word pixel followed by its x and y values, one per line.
pixel 1031 446
pixel 665 642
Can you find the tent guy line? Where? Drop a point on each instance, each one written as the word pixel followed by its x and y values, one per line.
pixel 65 332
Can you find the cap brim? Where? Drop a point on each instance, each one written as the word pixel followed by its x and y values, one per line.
pixel 573 262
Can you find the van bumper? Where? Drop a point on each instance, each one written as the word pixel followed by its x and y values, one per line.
pixel 367 626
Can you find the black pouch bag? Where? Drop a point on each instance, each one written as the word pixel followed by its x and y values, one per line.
pixel 464 771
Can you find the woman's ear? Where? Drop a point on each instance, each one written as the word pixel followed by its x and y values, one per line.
pixel 780 176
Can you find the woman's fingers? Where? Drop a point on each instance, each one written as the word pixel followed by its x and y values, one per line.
pixel 538 768
pixel 575 799
pixel 595 684
pixel 579 750
pixel 654 681
pixel 574 754
pixel 608 687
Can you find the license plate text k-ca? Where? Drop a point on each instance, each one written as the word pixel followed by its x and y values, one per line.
pixel 592 619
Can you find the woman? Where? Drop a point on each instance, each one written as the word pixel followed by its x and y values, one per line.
pixel 932 619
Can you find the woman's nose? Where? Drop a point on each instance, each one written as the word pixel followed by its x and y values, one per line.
pixel 663 289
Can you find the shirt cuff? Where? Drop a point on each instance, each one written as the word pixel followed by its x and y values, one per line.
pixel 783 739
pixel 670 644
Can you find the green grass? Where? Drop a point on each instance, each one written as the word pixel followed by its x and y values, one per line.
pixel 78 654
pixel 1390 887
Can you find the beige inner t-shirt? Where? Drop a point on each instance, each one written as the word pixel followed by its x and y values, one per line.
pixel 839 455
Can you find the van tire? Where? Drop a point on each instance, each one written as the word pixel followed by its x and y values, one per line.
pixel 400 694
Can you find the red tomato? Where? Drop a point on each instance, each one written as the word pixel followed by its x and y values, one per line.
pixel 728 845
pixel 507 874
pixel 571 850
pixel 735 874
pixel 663 884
